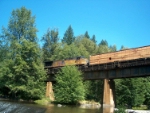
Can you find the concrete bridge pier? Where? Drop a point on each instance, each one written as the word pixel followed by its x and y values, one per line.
pixel 49 91
pixel 109 93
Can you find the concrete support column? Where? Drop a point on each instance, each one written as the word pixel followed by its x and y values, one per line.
pixel 109 92
pixel 49 91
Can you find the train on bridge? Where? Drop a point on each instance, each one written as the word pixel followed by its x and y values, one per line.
pixel 78 61
pixel 107 58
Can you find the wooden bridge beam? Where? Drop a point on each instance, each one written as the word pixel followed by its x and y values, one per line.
pixel 49 91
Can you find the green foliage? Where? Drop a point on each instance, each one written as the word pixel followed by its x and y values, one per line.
pixel 94 90
pixel 22 72
pixel 123 47
pixel 3 48
pixel 94 39
pixel 121 109
pixel 113 48
pixel 43 101
pixel 69 51
pixel 103 42
pixel 86 35
pixel 89 45
pixel 22 25
pixel 147 88
pixel 69 88
pixel 130 92
pixel 68 36
pixel 50 40
pixel 103 49
pixel 142 107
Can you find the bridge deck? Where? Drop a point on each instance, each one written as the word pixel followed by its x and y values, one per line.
pixel 113 70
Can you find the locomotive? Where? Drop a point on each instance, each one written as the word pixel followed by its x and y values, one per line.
pixel 78 61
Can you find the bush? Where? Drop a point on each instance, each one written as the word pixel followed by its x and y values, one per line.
pixel 69 88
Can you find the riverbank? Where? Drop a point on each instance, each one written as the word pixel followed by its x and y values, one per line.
pixel 89 104
pixel 82 104
pixel 137 111
pixel 16 100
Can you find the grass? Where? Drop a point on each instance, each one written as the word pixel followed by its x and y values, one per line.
pixel 142 107
pixel 43 101
pixel 121 109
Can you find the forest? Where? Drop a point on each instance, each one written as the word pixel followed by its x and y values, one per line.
pixel 22 73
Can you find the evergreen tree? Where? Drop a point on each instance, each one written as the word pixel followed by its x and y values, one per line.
pixel 147 93
pixel 69 51
pixel 24 73
pixel 103 49
pixel 89 45
pixel 103 42
pixel 130 91
pixel 69 88
pixel 68 36
pixel 3 48
pixel 87 35
pixel 50 40
pixel 113 48
pixel 94 90
pixel 94 39
pixel 123 47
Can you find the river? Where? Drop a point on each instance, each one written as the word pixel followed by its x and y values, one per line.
pixel 19 107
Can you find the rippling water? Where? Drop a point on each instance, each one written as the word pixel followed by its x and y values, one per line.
pixel 17 107
pixel 13 107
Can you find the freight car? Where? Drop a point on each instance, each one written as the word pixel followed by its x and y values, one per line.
pixel 119 56
pixel 78 61
pixel 114 58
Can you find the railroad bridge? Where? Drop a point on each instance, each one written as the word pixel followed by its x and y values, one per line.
pixel 116 65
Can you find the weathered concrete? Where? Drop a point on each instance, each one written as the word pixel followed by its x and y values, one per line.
pixel 109 92
pixel 49 91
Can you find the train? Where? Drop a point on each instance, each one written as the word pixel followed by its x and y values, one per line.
pixel 78 61
pixel 100 59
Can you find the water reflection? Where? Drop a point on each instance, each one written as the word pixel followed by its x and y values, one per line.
pixel 70 109
pixel 107 110
pixel 17 107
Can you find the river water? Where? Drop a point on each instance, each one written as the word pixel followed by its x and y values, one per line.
pixel 18 107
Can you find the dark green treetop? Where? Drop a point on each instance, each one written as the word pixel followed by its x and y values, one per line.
pixel 50 40
pixel 68 36
pixel 113 48
pixel 130 91
pixel 103 42
pixel 87 35
pixel 93 39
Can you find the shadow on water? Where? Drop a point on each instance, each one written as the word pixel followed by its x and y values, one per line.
pixel 17 107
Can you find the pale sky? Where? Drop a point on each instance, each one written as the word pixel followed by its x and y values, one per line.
pixel 120 22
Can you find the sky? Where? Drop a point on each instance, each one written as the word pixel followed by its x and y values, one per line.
pixel 120 22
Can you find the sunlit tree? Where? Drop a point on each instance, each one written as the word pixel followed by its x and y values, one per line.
pixel 69 88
